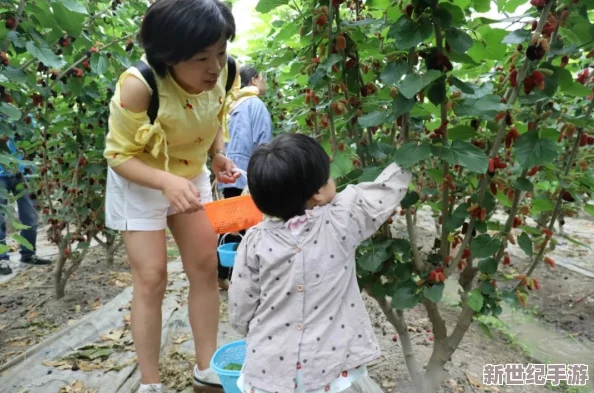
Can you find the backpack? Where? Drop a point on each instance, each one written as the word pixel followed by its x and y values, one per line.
pixel 149 76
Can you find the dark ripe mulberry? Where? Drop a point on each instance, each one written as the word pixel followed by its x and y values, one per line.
pixel 535 52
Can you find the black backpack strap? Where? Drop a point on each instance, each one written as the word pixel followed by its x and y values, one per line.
pixel 149 77
pixel 231 72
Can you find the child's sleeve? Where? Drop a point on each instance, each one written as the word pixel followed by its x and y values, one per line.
pixel 244 291
pixel 364 207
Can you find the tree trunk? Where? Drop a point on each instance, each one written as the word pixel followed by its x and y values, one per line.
pixel 59 282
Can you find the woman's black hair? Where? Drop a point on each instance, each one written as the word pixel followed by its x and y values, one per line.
pixel 175 30
pixel 247 73
pixel 285 173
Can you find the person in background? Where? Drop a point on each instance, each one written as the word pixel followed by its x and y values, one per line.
pixel 250 125
pixel 13 183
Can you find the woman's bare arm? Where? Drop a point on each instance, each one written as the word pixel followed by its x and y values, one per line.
pixel 136 97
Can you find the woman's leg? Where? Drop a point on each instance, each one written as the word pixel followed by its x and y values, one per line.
pixel 147 253
pixel 197 244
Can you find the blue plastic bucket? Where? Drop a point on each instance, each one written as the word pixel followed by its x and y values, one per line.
pixel 226 254
pixel 233 352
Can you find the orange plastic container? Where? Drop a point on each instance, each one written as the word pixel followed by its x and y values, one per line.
pixel 233 214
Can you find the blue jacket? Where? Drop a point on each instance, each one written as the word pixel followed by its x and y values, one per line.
pixel 249 126
pixel 13 151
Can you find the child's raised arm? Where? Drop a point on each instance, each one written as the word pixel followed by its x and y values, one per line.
pixel 364 207
pixel 244 291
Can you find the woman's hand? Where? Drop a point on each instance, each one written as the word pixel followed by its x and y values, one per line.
pixel 182 194
pixel 223 169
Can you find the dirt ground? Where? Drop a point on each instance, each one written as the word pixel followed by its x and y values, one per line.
pixel 29 311
pixel 466 367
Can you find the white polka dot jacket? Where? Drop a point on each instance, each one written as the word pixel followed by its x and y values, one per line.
pixel 295 295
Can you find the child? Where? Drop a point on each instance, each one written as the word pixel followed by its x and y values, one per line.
pixel 294 289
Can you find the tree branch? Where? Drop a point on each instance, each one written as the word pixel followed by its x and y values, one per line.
pixel 559 203
pixel 396 319
pixel 79 61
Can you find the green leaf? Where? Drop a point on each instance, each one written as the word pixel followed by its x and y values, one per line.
pixel 456 13
pixel 525 243
pixel 482 325
pixel 18 226
pixel 393 72
pixel 341 165
pixel 481 5
pixel 410 199
pixel 490 48
pixel 373 119
pixel 458 40
pixel 532 150
pixel 22 241
pixel 589 209
pixel 265 6
pixel 4 249
pixel 457 218
pixel 437 92
pixel 372 260
pixel 288 31
pixel 475 300
pixel 414 83
pixel 487 288
pixel 517 37
pixel 409 34
pixel 542 205
pixel 485 108
pixel 523 184
pixel 467 155
pixel 45 55
pixel 463 86
pixel 410 153
pixel 488 266
pixel 9 110
pixel 99 64
pixel 444 17
pixel 401 105
pixel 484 246
pixel 380 151
pixel 434 293
pixel 70 16
pixel 405 296
pixel 462 132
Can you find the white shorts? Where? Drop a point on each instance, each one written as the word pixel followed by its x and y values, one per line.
pixel 132 207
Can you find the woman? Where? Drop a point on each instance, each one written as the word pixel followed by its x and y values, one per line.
pixel 157 174
pixel 249 126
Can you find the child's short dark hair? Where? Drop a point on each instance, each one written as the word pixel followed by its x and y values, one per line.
pixel 285 173
pixel 175 30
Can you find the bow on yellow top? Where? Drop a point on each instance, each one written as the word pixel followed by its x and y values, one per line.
pixel 148 131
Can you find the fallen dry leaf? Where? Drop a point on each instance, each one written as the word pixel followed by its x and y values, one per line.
pixel 122 279
pixel 114 335
pixel 72 322
pixel 31 315
pixel 60 365
pixel 182 338
pixel 87 366
pixel 474 380
pixel 3 309
pixel 77 308
pixel 96 304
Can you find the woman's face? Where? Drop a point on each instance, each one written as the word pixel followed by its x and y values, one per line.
pixel 201 72
pixel 260 82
